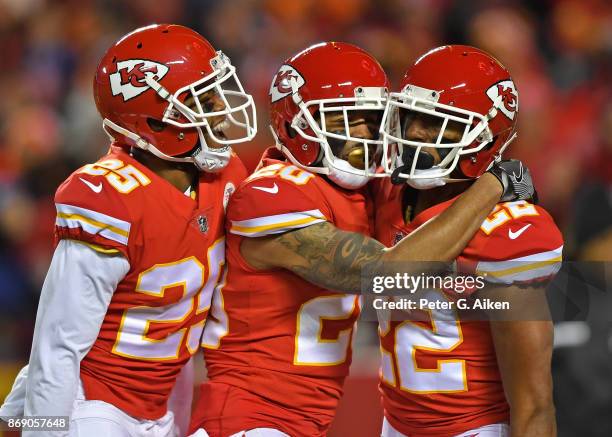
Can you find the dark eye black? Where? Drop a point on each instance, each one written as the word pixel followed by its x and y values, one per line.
pixel 208 105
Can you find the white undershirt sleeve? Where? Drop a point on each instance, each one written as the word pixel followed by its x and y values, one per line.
pixel 74 299
pixel 13 404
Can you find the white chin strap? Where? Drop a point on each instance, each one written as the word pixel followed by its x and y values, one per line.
pixel 342 174
pixel 425 183
pixel 204 158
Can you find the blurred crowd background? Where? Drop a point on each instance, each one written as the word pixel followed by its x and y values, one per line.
pixel 558 51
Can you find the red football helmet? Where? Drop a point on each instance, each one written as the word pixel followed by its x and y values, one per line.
pixel 164 88
pixel 330 78
pixel 453 83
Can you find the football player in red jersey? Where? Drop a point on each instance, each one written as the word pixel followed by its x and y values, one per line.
pixel 278 341
pixel 444 377
pixel 139 237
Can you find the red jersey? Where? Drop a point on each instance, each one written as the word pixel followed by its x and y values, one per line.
pixel 281 340
pixel 440 378
pixel 175 247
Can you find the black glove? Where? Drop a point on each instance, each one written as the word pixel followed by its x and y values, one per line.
pixel 515 179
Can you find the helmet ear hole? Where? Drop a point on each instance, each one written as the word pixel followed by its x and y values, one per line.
pixel 156 125
pixel 290 131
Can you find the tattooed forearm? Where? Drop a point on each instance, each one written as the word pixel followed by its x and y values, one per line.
pixel 331 258
pixel 335 259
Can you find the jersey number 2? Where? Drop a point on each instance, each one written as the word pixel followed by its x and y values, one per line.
pixel 311 349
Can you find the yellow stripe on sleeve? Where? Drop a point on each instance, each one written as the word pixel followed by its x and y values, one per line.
pixel 274 226
pixel 519 269
pixel 92 222
pixel 97 248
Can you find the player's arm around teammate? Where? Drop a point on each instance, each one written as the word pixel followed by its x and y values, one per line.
pixel 336 259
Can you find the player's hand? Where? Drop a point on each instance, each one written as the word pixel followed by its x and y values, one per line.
pixel 515 179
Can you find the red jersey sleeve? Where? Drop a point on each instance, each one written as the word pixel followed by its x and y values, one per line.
pixel 276 199
pixel 518 243
pixel 90 211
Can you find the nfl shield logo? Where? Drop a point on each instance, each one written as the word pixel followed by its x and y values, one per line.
pixel 203 224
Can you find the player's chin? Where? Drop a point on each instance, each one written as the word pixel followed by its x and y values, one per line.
pixel 212 142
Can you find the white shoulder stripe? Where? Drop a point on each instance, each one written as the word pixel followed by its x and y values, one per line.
pixel 92 222
pixel 532 273
pixel 539 265
pixel 276 224
pixel 492 266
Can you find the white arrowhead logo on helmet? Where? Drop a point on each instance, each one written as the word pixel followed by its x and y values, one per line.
pixel 129 79
pixel 505 97
pixel 281 83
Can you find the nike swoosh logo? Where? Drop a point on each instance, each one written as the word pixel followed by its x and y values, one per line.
pixel 515 235
pixel 519 178
pixel 94 188
pixel 272 190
